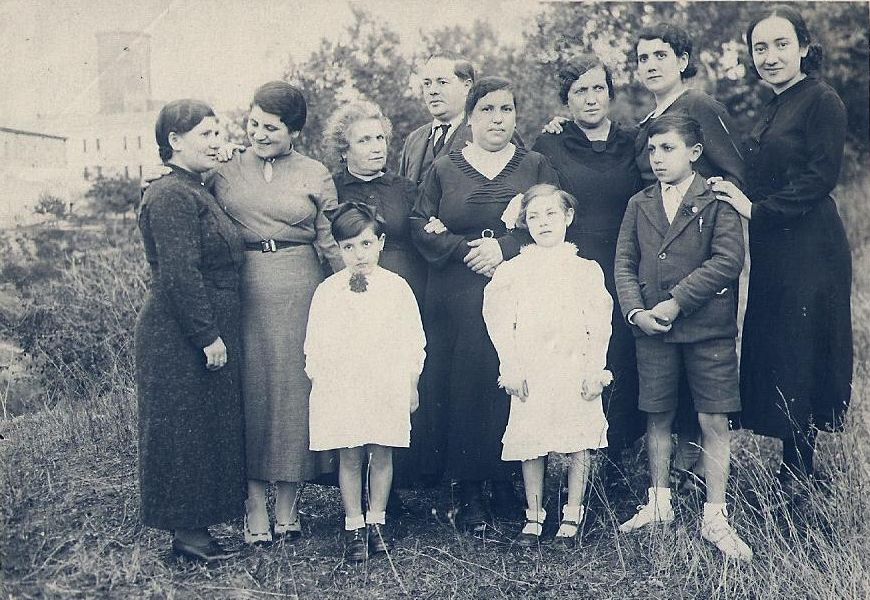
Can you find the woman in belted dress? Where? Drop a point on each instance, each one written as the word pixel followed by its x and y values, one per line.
pixel 458 227
pixel 277 198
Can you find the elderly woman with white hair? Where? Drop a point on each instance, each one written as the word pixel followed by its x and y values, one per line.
pixel 357 137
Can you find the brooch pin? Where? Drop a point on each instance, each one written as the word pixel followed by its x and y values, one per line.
pixel 689 209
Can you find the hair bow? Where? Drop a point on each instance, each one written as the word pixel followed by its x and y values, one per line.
pixel 512 212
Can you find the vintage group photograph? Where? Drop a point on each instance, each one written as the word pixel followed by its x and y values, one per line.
pixel 435 300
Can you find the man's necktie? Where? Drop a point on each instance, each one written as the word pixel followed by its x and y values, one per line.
pixel 440 138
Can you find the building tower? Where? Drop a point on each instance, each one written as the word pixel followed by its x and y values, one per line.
pixel 124 68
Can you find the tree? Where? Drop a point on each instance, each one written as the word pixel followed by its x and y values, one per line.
pixel 368 64
pixel 118 195
pixel 49 204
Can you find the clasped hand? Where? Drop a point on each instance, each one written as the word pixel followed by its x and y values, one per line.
pixel 659 319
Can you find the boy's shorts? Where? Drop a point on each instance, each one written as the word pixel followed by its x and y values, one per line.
pixel 710 367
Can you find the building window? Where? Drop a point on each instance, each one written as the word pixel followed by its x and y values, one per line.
pixel 85 147
pixel 126 171
pixel 86 174
pixel 125 142
pixel 140 172
pixel 98 144
pixel 139 141
pixel 99 172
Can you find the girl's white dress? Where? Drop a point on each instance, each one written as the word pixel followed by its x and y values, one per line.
pixel 363 352
pixel 548 315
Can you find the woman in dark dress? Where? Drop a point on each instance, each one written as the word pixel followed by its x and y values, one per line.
pixel 188 352
pixel 665 64
pixel 457 225
pixel 595 159
pixel 796 365
pixel 358 135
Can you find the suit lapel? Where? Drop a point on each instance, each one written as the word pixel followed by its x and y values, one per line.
pixel 654 210
pixel 458 140
pixel 690 208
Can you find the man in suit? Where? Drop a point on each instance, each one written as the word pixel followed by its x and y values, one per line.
pixel 678 256
pixel 444 83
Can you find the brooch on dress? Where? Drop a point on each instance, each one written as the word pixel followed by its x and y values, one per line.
pixel 358 283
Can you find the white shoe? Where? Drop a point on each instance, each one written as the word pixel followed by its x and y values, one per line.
pixel 719 532
pixel 650 512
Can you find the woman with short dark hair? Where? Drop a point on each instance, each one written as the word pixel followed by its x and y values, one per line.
pixel 278 198
pixel 187 345
pixel 796 369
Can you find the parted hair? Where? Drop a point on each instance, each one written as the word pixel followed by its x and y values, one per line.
pixel 812 62
pixel 484 86
pixel 179 116
pixel 674 36
pixel 580 65
pixel 340 121
pixel 352 218
pixel 285 100
pixel 462 67
pixel 540 190
pixel 686 127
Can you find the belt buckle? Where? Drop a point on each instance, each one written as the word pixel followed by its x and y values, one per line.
pixel 487 233
pixel 268 246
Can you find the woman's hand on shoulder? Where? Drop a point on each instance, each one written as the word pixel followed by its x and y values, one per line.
pixel 730 193
pixel 152 173
pixel 215 355
pixel 555 125
pixel 226 151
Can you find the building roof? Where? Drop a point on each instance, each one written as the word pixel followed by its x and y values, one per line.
pixel 33 133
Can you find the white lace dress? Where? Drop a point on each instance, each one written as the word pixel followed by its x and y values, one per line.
pixel 548 315
pixel 363 351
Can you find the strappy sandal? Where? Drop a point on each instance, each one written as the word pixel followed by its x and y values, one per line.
pixel 531 540
pixel 564 535
pixel 258 538
pixel 290 531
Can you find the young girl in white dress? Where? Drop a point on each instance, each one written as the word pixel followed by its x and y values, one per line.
pixel 548 314
pixel 364 351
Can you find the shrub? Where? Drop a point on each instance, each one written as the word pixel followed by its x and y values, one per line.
pixel 49 204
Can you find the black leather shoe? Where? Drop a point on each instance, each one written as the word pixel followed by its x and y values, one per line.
pixel 207 553
pixel 356 547
pixel 505 503
pixel 378 539
pixel 527 540
pixel 471 514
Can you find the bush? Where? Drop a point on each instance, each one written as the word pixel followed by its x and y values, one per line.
pixel 49 204
pixel 81 292
pixel 115 195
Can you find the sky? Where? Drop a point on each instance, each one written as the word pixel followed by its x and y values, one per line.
pixel 216 50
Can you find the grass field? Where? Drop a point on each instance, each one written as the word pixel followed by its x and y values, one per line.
pixel 69 502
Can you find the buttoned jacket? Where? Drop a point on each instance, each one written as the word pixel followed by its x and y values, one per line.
pixel 696 260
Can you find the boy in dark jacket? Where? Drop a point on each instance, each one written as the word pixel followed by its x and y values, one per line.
pixel 678 257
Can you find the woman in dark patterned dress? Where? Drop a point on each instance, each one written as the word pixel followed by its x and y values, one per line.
pixel 796 362
pixel 188 351
pixel 457 225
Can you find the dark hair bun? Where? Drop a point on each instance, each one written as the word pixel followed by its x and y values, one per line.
pixel 814 58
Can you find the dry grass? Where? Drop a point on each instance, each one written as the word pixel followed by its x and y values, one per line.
pixel 69 525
